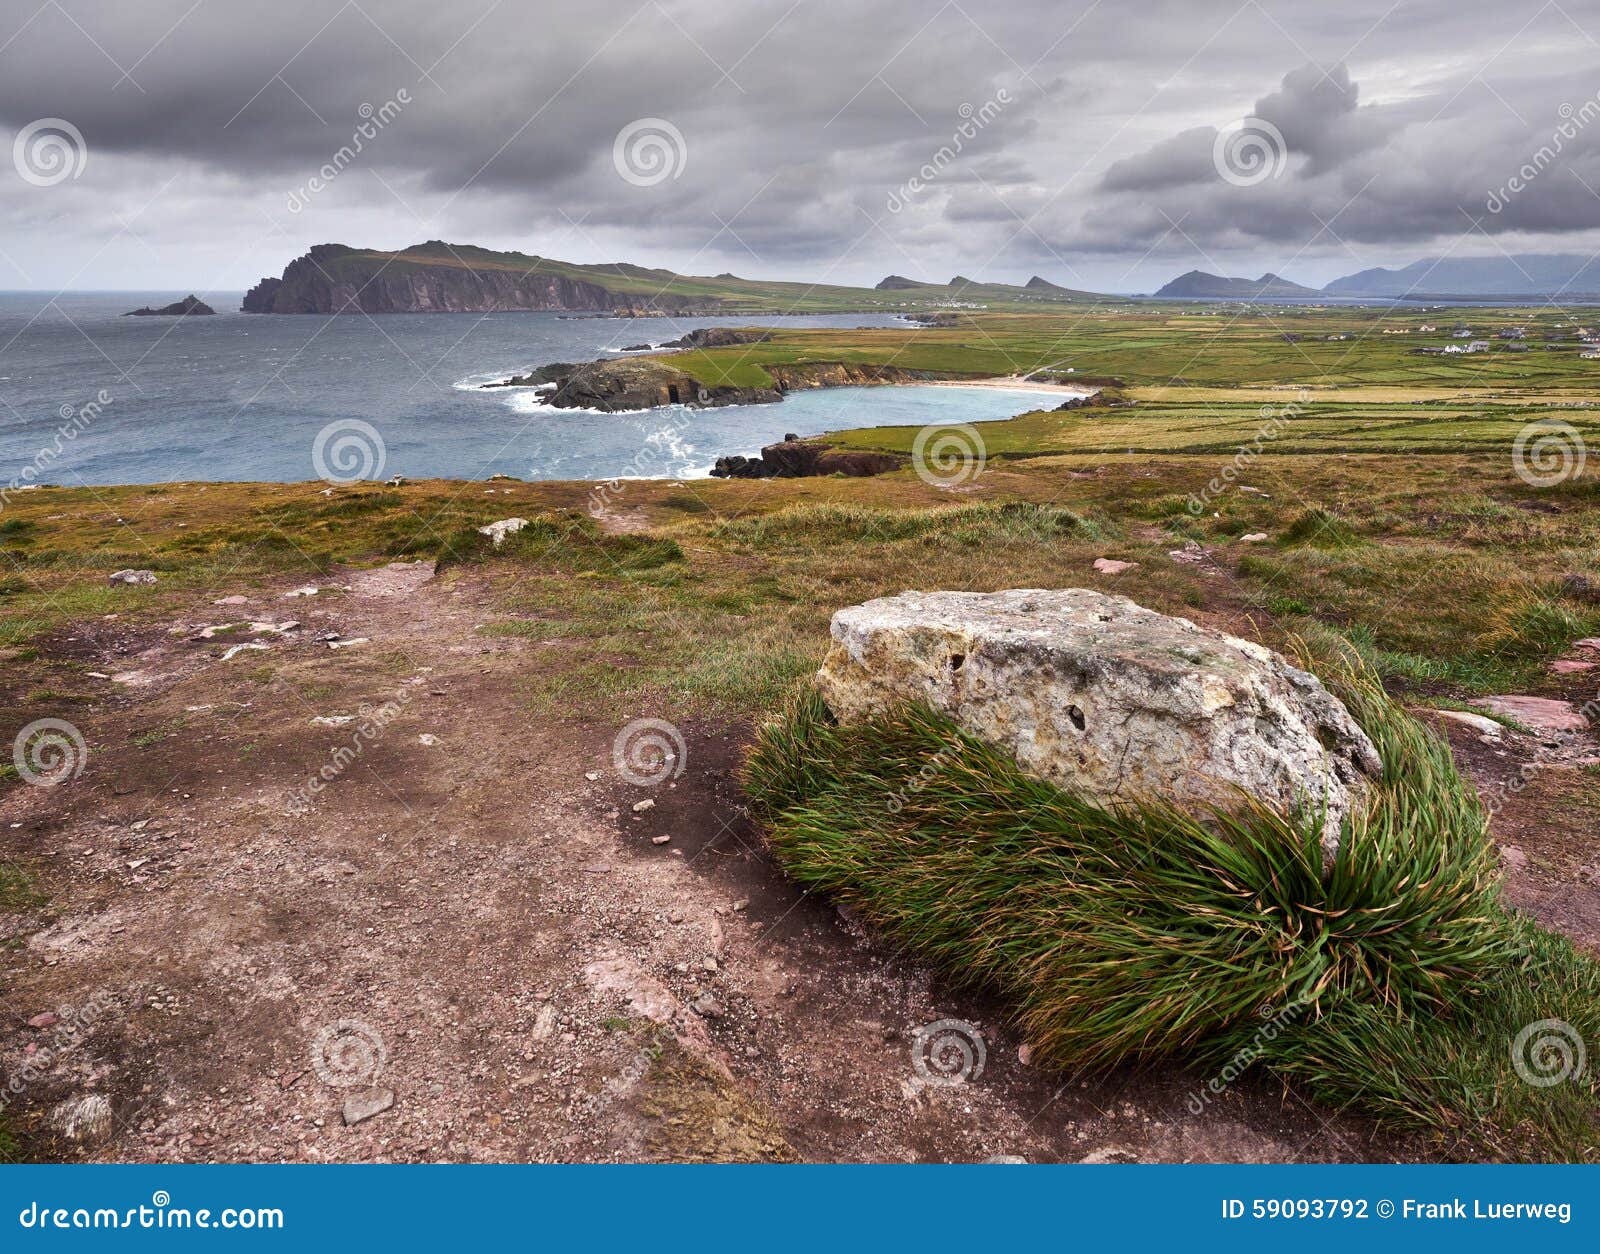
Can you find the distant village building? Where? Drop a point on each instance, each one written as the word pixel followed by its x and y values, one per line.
pixel 1427 326
pixel 1479 346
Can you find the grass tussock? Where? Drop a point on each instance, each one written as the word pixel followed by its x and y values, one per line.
pixel 1144 931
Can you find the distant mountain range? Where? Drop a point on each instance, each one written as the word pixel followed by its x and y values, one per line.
pixel 1199 283
pixel 961 288
pixel 436 277
pixel 1525 274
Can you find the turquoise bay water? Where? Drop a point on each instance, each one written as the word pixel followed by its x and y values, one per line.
pixel 239 396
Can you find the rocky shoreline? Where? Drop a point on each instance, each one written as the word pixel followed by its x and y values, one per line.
pixel 635 383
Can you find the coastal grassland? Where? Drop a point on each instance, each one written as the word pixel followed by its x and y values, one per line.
pixel 1446 571
pixel 1204 348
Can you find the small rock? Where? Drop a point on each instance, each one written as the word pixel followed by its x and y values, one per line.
pixel 41 1021
pixel 348 644
pixel 1255 537
pixel 428 738
pixel 86 1120
pixel 363 1103
pixel 709 963
pixel 1110 1154
pixel 1112 565
pixel 1025 1054
pixel 1478 722
pixel 132 577
pixel 1191 554
pixel 706 1006
pixel 1514 857
pixel 639 807
pixel 1542 714
pixel 1590 644
pixel 498 531
pixel 1568 666
pixel 591 776
pixel 660 840
pixel 310 590
pixel 233 600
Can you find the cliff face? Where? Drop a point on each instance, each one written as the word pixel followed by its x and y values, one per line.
pixel 332 278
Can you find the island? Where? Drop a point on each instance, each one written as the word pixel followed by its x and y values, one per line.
pixel 191 306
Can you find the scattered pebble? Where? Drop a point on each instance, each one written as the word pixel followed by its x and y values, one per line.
pixel 660 840
pixel 639 807
pixel 1112 565
pixel 363 1103
pixel 132 577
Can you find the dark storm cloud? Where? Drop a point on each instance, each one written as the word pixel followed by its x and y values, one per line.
pixel 810 129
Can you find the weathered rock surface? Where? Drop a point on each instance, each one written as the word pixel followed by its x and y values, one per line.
pixel 1105 698
pixel 799 459
pixel 131 576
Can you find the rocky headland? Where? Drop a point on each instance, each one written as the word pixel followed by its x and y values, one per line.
pixel 634 383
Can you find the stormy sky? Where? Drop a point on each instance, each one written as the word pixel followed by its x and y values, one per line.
pixel 1103 145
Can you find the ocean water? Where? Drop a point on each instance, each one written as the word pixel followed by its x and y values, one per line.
pixel 89 396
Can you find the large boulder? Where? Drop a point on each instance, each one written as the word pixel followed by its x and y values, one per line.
pixel 1106 698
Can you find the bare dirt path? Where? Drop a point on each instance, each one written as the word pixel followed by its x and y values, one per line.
pixel 346 872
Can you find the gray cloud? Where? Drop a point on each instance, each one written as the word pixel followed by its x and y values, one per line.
pixel 803 123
